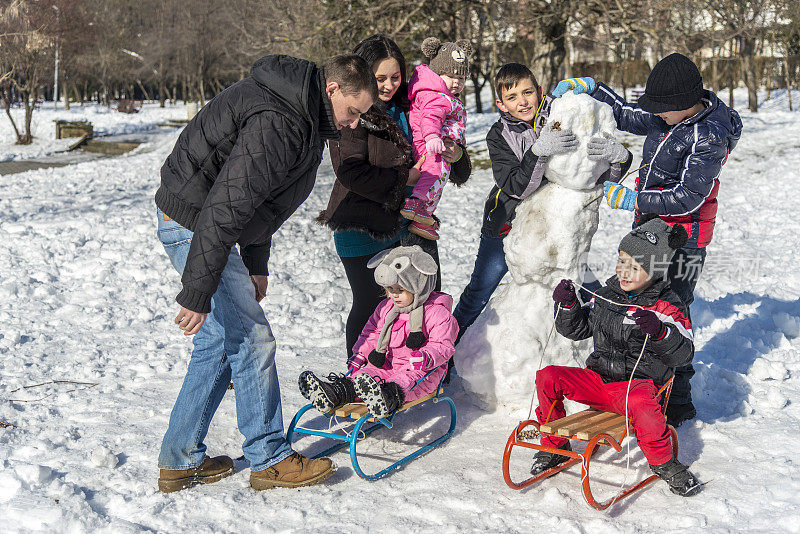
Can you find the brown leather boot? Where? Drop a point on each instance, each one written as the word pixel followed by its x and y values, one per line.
pixel 292 472
pixel 211 470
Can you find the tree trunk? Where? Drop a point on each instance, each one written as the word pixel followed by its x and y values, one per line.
pixel 65 91
pixel 8 97
pixel 787 76
pixel 749 73
pixel 29 98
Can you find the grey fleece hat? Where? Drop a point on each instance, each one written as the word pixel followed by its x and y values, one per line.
pixel 410 267
pixel 451 59
pixel 653 244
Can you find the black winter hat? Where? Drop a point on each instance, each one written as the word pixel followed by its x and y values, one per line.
pixel 674 84
pixel 653 244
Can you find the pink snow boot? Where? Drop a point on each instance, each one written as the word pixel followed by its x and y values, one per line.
pixel 428 231
pixel 416 210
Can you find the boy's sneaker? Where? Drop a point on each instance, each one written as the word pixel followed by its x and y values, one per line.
pixel 428 231
pixel 211 470
pixel 416 209
pixel 679 413
pixel 381 399
pixel 292 472
pixel 325 396
pixel 681 481
pixel 543 460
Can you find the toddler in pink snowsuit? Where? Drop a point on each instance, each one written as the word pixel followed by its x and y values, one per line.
pixel 411 333
pixel 436 112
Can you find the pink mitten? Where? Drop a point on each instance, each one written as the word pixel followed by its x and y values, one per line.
pixel 418 360
pixel 435 145
pixel 356 362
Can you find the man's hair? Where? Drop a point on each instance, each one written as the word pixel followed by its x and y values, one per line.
pixel 352 73
pixel 510 75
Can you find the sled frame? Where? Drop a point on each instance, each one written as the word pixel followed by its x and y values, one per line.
pixel 366 423
pixel 594 427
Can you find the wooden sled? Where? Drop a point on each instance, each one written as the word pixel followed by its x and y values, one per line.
pixel 592 426
pixel 366 423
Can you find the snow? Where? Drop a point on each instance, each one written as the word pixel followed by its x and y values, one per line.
pixel 87 296
pixel 586 118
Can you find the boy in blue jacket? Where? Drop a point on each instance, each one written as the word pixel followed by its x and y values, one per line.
pixel 689 134
pixel 518 149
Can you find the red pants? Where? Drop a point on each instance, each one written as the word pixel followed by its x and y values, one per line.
pixel 555 382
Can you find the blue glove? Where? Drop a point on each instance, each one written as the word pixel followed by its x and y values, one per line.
pixel 619 197
pixel 578 86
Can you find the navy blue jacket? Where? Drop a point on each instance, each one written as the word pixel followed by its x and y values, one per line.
pixel 681 180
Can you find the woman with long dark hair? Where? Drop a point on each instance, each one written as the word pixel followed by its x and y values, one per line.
pixel 374 173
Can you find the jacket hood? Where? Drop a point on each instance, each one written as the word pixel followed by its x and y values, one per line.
pixel 440 299
pixel 723 122
pixel 424 79
pixel 299 84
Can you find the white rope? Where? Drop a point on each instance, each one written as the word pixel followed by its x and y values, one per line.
pixel 541 359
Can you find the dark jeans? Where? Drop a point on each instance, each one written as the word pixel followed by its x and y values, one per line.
pixel 367 294
pixel 490 267
pixel 684 271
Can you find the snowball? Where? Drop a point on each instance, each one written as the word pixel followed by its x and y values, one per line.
pixel 586 118
pixel 103 457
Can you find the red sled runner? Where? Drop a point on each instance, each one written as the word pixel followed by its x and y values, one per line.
pixel 595 427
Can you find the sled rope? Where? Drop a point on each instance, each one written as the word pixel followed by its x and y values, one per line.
pixel 541 359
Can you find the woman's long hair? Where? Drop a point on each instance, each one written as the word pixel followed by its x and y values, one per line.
pixel 379 47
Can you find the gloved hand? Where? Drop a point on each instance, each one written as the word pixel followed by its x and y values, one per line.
pixel 649 323
pixel 607 148
pixel 377 358
pixel 564 293
pixel 578 86
pixel 434 145
pixel 554 142
pixel 619 197
pixel 356 362
pixel 419 360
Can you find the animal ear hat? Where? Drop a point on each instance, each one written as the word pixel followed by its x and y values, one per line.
pixel 450 59
pixel 414 270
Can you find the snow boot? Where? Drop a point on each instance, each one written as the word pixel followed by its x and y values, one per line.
pixel 428 231
pixel 293 471
pixel 678 413
pixel 211 470
pixel 325 396
pixel 381 399
pixel 681 481
pixel 543 460
pixel 416 209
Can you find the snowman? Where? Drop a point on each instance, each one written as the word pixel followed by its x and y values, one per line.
pixel 498 356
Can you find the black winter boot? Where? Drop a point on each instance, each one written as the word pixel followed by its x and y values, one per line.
pixel 325 396
pixel 678 413
pixel 381 399
pixel 543 460
pixel 681 481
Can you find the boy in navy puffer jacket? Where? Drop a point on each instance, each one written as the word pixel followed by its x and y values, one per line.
pixel 636 313
pixel 690 133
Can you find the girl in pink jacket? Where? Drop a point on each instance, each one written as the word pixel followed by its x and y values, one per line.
pixel 410 333
pixel 436 112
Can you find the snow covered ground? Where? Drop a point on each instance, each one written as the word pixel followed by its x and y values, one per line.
pixel 87 296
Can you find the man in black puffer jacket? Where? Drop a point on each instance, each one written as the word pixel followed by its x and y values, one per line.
pixel 240 168
pixel 641 332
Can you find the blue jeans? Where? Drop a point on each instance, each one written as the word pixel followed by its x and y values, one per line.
pixel 683 273
pixel 490 267
pixel 234 342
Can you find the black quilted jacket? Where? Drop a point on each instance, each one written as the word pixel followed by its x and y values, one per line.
pixel 617 339
pixel 242 166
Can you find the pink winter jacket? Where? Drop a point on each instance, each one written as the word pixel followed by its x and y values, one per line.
pixel 440 329
pixel 434 109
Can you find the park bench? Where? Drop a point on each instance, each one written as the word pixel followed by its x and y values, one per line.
pixel 128 105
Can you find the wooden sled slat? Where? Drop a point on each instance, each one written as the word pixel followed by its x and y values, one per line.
pixel 614 426
pixel 553 426
pixel 595 418
pixel 357 410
